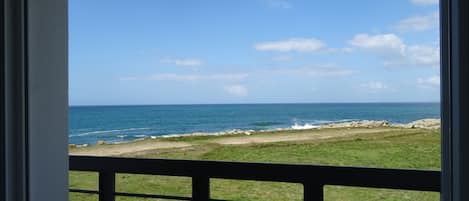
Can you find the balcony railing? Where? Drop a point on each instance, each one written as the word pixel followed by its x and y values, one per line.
pixel 313 177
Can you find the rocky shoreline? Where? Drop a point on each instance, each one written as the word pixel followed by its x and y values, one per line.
pixel 422 123
pixel 345 130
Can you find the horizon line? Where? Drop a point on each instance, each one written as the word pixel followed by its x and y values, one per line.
pixel 274 103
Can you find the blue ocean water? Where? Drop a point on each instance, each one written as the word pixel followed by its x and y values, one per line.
pixel 89 124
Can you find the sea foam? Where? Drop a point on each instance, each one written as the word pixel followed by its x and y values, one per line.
pixel 303 127
pixel 107 131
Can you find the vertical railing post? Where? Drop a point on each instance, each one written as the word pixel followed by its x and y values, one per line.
pixel 313 191
pixel 107 186
pixel 200 188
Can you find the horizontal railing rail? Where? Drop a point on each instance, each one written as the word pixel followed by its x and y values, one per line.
pixel 313 177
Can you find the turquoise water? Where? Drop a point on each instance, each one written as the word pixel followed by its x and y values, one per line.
pixel 88 124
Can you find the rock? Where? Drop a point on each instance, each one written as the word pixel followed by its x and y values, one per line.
pixel 423 123
pixel 358 124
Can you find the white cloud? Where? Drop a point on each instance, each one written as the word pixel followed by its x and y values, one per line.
pixel 236 90
pixel 346 50
pixel 292 45
pixel 418 23
pixel 424 2
pixel 324 72
pixel 395 51
pixel 174 77
pixel 374 85
pixel 316 70
pixel 182 62
pixel 127 78
pixel 382 43
pixel 429 82
pixel 282 58
pixel 339 50
pixel 198 77
pixel 228 77
pixel 278 4
pixel 423 55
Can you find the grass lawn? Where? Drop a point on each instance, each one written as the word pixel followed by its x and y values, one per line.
pixel 402 148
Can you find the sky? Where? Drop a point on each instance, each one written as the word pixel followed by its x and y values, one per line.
pixel 124 52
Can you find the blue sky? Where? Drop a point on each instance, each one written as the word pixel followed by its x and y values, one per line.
pixel 252 51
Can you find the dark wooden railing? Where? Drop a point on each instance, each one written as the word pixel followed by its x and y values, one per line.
pixel 313 177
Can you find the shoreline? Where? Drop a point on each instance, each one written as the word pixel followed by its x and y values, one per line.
pixel 426 123
pixel 239 137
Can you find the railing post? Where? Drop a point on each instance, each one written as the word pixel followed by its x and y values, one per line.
pixel 313 191
pixel 107 186
pixel 200 188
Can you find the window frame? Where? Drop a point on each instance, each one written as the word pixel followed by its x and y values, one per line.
pixel 32 87
pixel 454 65
pixel 34 100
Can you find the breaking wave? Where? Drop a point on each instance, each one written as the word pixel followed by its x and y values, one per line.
pixel 303 127
pixel 107 131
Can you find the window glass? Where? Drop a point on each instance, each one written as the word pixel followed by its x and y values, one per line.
pixel 348 83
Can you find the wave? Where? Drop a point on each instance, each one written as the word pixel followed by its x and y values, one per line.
pixel 298 125
pixel 303 127
pixel 107 131
pixel 323 122
pixel 316 123
pixel 265 123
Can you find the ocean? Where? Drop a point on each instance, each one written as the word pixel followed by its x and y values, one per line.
pixel 112 124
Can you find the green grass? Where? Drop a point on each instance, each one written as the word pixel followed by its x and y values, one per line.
pixel 407 148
